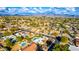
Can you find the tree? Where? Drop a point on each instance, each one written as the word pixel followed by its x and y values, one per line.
pixel 7 33
pixel 8 43
pixel 2 26
pixel 19 38
pixel 64 39
pixel 13 29
pixel 59 47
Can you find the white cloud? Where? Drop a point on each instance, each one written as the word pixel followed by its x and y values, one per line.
pixel 2 8
pixel 11 9
pixel 57 11
pixel 36 9
pixel 24 9
pixel 70 9
pixel 67 10
pixel 41 10
pixel 31 11
pixel 50 9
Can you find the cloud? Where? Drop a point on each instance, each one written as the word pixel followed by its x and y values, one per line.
pixel 38 10
pixel 42 10
pixel 65 10
pixel 70 9
pixel 23 9
pixel 10 10
pixel 2 8
pixel 59 11
pixel 31 11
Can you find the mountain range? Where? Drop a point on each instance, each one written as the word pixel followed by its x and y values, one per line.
pixel 28 11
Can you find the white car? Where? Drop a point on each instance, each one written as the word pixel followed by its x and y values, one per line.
pixel 74 48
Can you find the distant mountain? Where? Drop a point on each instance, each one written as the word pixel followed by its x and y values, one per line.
pixel 42 11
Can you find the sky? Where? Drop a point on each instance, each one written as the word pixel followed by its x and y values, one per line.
pixel 5 11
